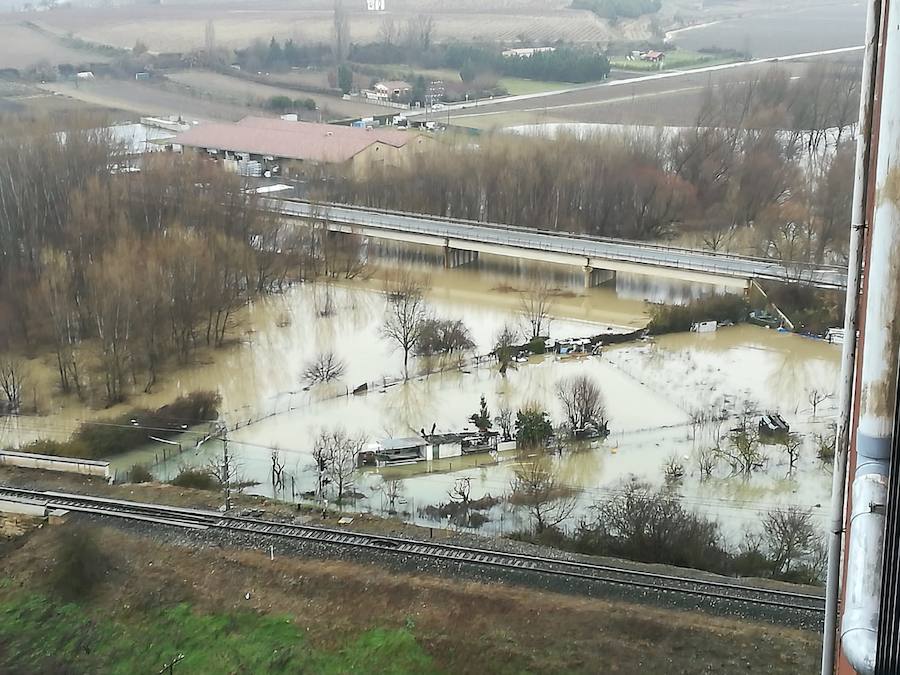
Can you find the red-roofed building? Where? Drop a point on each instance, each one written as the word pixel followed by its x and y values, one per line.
pixel 297 148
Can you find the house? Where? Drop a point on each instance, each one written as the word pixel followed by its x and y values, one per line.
pixel 300 149
pixel 653 56
pixel 392 90
pixel 773 426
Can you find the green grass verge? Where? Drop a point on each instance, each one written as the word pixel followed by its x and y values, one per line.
pixel 674 60
pixel 41 634
pixel 517 86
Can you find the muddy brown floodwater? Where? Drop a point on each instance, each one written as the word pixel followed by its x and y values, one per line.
pixel 651 388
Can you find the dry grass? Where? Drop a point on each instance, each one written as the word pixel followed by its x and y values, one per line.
pixel 238 91
pixel 23 47
pixel 466 627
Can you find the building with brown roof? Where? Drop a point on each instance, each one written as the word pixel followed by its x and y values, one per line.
pixel 301 148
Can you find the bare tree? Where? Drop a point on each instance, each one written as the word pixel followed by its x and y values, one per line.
pixel 393 492
pixel 815 397
pixel 535 306
pixel 538 488
pixel 404 320
pixel 210 41
pixel 277 470
pixel 742 450
pixel 583 403
pixel 341 29
pixel 460 492
pixel 420 32
pixel 789 536
pixel 504 420
pixel 324 368
pixel 13 376
pixel 335 453
pixel 388 31
pixel 707 459
pixel 792 444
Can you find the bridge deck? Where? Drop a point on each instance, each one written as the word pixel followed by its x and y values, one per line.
pixel 613 254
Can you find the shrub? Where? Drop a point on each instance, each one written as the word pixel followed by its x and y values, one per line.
pixel 679 318
pixel 443 336
pixel 58 449
pixel 140 474
pixel 93 440
pixel 279 103
pixel 79 563
pixel 812 310
pixel 537 345
pixel 197 479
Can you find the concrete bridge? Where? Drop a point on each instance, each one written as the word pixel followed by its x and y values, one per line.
pixel 600 258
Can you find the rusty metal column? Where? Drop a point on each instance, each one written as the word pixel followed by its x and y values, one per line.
pixel 878 383
pixel 851 324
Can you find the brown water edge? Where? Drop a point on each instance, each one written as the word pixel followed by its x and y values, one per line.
pixel 650 390
pixel 276 334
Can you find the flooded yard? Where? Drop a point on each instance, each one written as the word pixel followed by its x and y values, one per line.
pixel 651 388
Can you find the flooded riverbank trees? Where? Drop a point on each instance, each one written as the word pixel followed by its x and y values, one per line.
pixel 119 272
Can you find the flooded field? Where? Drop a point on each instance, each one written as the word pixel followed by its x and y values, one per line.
pixel 652 389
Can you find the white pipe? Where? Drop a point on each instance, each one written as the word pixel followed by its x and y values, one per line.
pixel 860 623
pixel 878 381
pixel 851 326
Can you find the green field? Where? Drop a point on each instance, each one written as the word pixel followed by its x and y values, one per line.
pixel 514 85
pixel 40 634
pixel 674 60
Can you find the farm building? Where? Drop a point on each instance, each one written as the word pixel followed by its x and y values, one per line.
pixel 298 148
pixel 393 451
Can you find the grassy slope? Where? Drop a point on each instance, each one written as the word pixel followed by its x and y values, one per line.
pixel 38 632
pixel 328 617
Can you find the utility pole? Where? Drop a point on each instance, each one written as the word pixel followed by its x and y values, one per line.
pixel 226 471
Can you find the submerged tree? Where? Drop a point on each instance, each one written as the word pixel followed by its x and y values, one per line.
pixel 533 427
pixel 405 319
pixel 335 453
pixel 324 368
pixel 537 487
pixel 583 403
pixel 482 418
pixel 535 306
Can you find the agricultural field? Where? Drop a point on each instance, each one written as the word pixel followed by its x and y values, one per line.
pixel 146 99
pixel 24 47
pixel 181 27
pixel 237 91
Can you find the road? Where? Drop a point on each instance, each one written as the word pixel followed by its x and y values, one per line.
pixel 599 253
pixel 664 83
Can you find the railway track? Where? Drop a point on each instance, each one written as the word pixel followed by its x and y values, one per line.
pixel 800 605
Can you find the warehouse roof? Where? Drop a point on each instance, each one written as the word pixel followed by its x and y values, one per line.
pixel 290 140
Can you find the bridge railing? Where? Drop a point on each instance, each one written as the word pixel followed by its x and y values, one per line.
pixel 552 241
pixel 554 233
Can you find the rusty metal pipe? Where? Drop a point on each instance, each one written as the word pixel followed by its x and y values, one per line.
pixel 878 383
pixel 851 325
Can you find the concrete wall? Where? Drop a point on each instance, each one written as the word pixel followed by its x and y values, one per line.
pixel 84 467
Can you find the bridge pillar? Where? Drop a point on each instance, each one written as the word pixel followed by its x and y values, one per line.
pixel 594 277
pixel 457 257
